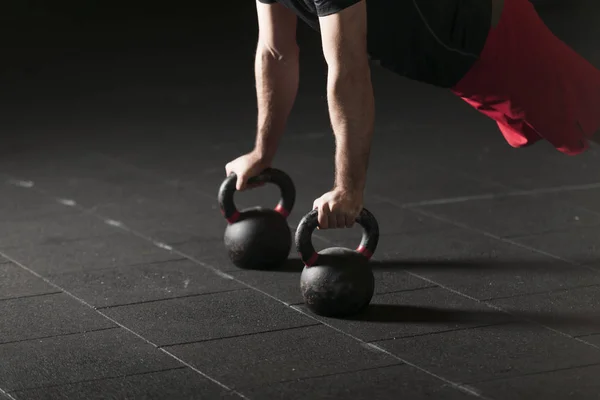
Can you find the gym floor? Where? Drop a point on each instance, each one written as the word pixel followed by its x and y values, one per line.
pixel 114 279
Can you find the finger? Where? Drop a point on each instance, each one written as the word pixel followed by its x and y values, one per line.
pixel 349 221
pixel 332 219
pixel 340 220
pixel 316 207
pixel 316 203
pixel 324 216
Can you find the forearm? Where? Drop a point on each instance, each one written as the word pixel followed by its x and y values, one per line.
pixel 352 113
pixel 277 77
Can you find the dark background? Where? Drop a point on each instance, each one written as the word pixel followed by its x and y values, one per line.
pixel 70 68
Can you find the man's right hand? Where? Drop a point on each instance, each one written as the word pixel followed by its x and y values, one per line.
pixel 246 167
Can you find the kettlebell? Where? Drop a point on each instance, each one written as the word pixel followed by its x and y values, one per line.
pixel 337 282
pixel 258 238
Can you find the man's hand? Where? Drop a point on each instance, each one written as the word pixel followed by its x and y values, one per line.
pixel 246 167
pixel 338 208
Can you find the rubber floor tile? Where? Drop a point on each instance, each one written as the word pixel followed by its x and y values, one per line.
pixel 52 230
pixel 410 183
pixel 141 283
pixel 282 283
pixel 309 158
pixel 493 352
pixel 391 281
pixel 119 249
pixel 394 382
pixel 577 245
pixel 207 317
pixel 573 311
pixel 493 160
pixel 486 280
pixel 455 243
pixel 175 222
pixel 76 358
pixel 416 312
pixel 594 339
pixel 91 180
pixel 181 383
pixel 291 354
pixel 589 198
pixel 575 383
pixel 481 267
pixel 18 282
pixel 25 204
pixel 516 215
pixel 45 316
pixel 210 252
pixel 178 169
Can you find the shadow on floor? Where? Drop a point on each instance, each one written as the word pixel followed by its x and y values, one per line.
pixel 294 265
pixel 470 264
pixel 411 314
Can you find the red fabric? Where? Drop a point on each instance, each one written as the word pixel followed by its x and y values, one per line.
pixel 533 85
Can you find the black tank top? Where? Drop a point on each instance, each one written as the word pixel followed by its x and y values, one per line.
pixel 432 41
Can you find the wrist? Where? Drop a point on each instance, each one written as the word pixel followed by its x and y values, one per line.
pixel 349 181
pixel 349 190
pixel 264 156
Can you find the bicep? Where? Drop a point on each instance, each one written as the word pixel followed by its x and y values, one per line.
pixel 344 37
pixel 276 27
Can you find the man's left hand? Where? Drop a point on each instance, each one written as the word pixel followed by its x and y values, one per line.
pixel 338 208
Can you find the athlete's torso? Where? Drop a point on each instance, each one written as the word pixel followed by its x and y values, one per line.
pixel 433 41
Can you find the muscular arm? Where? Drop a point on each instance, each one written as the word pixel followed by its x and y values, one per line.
pixel 276 71
pixel 350 94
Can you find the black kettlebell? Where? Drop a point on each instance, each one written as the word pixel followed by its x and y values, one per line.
pixel 258 238
pixel 337 282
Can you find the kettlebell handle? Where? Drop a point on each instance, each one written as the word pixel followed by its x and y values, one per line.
pixel 269 175
pixel 309 223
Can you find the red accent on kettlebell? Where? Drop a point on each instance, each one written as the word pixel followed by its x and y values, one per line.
pixel 364 251
pixel 234 217
pixel 282 211
pixel 312 260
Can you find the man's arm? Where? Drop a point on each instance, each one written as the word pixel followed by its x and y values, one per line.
pixel 350 94
pixel 277 72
